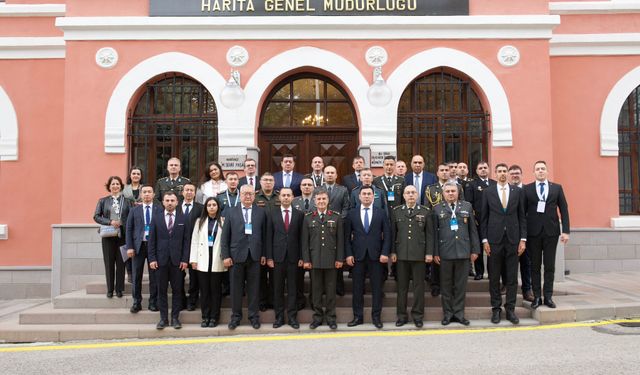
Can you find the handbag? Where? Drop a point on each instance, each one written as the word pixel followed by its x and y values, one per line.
pixel 106 231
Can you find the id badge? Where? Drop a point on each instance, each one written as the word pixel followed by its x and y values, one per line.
pixel 210 241
pixel 391 196
pixel 541 206
pixel 247 228
pixel 146 232
pixel 454 224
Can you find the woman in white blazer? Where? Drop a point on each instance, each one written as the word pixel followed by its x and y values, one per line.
pixel 205 257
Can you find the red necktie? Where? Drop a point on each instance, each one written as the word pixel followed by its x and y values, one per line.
pixel 286 220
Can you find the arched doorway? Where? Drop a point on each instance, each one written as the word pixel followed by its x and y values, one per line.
pixel 629 155
pixel 175 116
pixel 308 115
pixel 441 118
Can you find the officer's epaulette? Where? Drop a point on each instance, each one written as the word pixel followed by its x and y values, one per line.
pixel 309 213
pixel 396 207
pixel 329 212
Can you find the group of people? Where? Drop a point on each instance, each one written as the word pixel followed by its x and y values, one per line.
pixel 257 236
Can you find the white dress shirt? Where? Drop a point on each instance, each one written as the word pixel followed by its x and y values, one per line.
pixel 362 213
pixel 546 189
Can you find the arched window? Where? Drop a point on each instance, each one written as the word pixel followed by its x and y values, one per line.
pixel 175 116
pixel 441 118
pixel 629 154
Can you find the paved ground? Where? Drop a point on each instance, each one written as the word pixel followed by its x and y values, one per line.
pixel 572 348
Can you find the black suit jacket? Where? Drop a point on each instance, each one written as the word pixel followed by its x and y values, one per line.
pixel 245 181
pixel 284 245
pixel 135 225
pixel 237 245
pixel 359 244
pixel 194 213
pixel 166 248
pixel 296 179
pixel 495 222
pixel 547 222
pixel 473 194
pixel 351 182
pixel 427 179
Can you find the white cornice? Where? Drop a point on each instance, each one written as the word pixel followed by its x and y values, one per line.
pixel 32 48
pixel 594 7
pixel 307 27
pixel 595 44
pixel 32 10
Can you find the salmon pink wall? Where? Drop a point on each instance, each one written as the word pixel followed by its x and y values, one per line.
pixel 35 1
pixel 94 8
pixel 598 23
pixel 31 186
pixel 34 26
pixel 497 7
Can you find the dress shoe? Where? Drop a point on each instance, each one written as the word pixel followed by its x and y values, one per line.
pixel 435 292
pixel 263 308
pixel 191 307
pixel 537 302
pixel 315 324
pixel 278 323
pixel 109 294
pixel 135 308
pixel 418 323
pixel 471 273
pixel 129 279
pixel 333 325
pixel 528 296
pixel 340 293
pixel 549 303
pixel 175 323
pixel 495 316
pixel 294 324
pixel 213 323
pixel 478 277
pixel 119 294
pixel 377 323
pixel 512 317
pixel 153 307
pixel 204 323
pixel 301 306
pixel 464 321
pixel 354 322
pixel 401 322
pixel 255 324
pixel 445 321
pixel 233 324
pixel 162 324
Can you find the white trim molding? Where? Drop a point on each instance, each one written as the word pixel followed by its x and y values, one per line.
pixel 15 48
pixel 625 222
pixel 594 44
pixel 308 27
pixel 493 90
pixel 32 10
pixel 611 111
pixel 594 7
pixel 8 128
pixel 116 114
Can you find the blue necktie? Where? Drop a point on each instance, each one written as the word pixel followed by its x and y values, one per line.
pixel 366 220
pixel 147 216
pixel 246 214
pixel 186 211
pixel 287 180
pixel 542 190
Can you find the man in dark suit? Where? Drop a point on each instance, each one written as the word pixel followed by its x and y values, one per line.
pixel 169 256
pixel 287 177
pixel 473 194
pixel 338 194
pixel 419 177
pixel 379 197
pixel 192 210
pixel 243 235
pixel 367 246
pixel 284 226
pixel 543 200
pixel 138 227
pixel 454 242
pixel 515 179
pixel 503 229
pixel 250 175
pixel 352 181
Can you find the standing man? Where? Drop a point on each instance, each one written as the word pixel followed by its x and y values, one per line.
pixel 305 202
pixel 419 177
pixel 391 185
pixel 473 194
pixel 169 256
pixel 323 253
pixel 230 197
pixel 243 235
pixel 138 229
pixel 454 242
pixel 174 182
pixel 192 211
pixel 368 244
pixel 453 170
pixel 316 175
pixel 287 177
pixel 401 168
pixel 515 179
pixel 543 200
pixel 409 227
pixel 366 177
pixel 283 256
pixel 352 181
pixel 503 229
pixel 267 198
pixel 250 176
pixel 338 194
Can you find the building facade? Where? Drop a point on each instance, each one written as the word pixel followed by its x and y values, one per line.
pixel 89 88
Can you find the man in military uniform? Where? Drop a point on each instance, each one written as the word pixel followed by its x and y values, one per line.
pixel 379 198
pixel 338 194
pixel 316 175
pixel 305 202
pixel 323 254
pixel 409 226
pixel 229 197
pixel 173 182
pixel 267 198
pixel 453 243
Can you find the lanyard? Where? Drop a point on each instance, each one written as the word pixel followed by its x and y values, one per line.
pixel 229 199
pixel 386 188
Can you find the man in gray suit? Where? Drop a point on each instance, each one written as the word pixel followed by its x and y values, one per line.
pixel 453 243
pixel 305 202
pixel 338 194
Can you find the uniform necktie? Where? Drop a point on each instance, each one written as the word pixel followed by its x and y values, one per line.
pixel 410 211
pixel 322 218
pixel 287 180
pixel 453 207
pixel 366 220
pixel 170 225
pixel 542 190
pixel 286 220
pixel 186 210
pixel 147 216
pixel 306 204
pixel 503 199
pixel 389 181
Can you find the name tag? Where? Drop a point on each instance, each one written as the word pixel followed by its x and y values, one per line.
pixel 146 232
pixel 391 196
pixel 541 206
pixel 454 224
pixel 248 228
pixel 210 241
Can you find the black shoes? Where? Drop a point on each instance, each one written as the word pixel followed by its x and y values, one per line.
pixel 153 307
pixel 255 324
pixel 478 277
pixel 536 303
pixel 464 321
pixel 377 323
pixel 213 323
pixel 354 322
pixel 162 324
pixel 445 321
pixel 315 324
pixel 119 294
pixel 495 316
pixel 233 324
pixel 294 324
pixel 418 323
pixel 549 303
pixel 435 292
pixel 175 323
pixel 191 307
pixel 204 323
pixel 401 322
pixel 109 294
pixel 135 308
pixel 512 317
pixel 278 323
pixel 333 325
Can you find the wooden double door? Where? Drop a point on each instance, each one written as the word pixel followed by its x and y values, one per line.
pixel 336 147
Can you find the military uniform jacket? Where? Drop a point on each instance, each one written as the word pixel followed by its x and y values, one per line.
pixel 449 244
pixel 433 194
pixel 165 184
pixel 410 232
pixel 322 241
pixel 396 185
pixel 268 202
pixel 298 204
pixel 228 199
